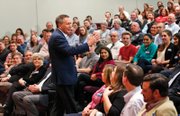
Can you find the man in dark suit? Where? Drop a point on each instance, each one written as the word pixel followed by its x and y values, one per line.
pixel 174 87
pixel 26 101
pixel 64 72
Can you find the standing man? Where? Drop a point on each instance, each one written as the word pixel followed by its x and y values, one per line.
pixel 64 72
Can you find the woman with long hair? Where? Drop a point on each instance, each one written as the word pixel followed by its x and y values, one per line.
pixel 95 79
pixel 164 53
pixel 113 100
pixel 97 96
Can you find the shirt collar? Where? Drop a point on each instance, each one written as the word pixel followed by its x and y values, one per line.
pixel 128 96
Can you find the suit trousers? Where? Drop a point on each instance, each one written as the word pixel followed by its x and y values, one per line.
pixel 64 101
pixel 26 102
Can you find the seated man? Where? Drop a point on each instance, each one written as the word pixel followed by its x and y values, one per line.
pixel 26 101
pixel 155 92
pixel 86 64
pixel 115 44
pixel 34 77
pixel 174 87
pixel 132 79
pixel 128 51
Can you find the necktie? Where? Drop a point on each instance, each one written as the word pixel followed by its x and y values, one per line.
pixel 112 46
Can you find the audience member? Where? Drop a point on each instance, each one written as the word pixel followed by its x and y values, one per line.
pixel 35 76
pixel 137 35
pixel 87 63
pixel 134 18
pixel 44 49
pixel 33 44
pixel 26 101
pixel 125 21
pixel 16 60
pixel 21 44
pixel 171 24
pixel 49 26
pixel 14 38
pixel 147 24
pixel 117 27
pixel 158 37
pixel 145 53
pixel 159 7
pixel 33 31
pixel 155 92
pixel 95 79
pixel 177 14
pixel 6 41
pixel 3 53
pixel 164 53
pixel 76 28
pixel 83 34
pixel 153 30
pixel 13 50
pixel 19 31
pixel 97 96
pixel 104 33
pixel 132 79
pixel 88 26
pixel 113 101
pixel 128 51
pixel 174 87
pixel 72 38
pixel 122 10
pixel 115 44
pixel 108 19
pixel 93 25
pixel 170 7
pixel 163 16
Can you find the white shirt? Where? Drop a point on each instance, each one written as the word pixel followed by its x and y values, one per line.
pixel 174 28
pixel 115 49
pixel 42 82
pixel 134 101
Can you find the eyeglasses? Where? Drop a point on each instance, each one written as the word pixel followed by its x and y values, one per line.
pixel 113 35
pixel 159 27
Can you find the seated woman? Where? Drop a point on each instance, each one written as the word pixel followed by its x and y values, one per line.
pixel 96 78
pixel 113 100
pixel 164 53
pixel 175 59
pixel 22 83
pixel 96 98
pixel 33 45
pixel 146 52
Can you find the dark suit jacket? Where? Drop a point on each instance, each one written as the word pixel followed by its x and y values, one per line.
pixel 21 71
pixel 61 55
pixel 47 85
pixel 3 55
pixel 35 76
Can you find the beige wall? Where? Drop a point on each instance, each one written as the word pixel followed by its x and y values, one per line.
pixel 29 14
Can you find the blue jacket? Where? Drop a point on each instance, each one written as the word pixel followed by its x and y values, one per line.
pixel 61 55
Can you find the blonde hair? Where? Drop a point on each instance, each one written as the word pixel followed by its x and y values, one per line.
pixel 108 69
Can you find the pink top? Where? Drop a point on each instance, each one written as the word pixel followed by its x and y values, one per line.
pixel 97 96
